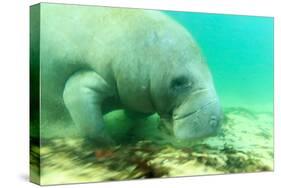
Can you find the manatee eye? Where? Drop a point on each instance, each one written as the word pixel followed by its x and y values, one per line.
pixel 180 83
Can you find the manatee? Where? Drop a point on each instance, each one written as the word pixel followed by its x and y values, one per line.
pixel 95 60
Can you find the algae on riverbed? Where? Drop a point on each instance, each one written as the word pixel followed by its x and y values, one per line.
pixel 244 144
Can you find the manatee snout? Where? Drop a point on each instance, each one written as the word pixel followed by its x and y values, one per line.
pixel 199 116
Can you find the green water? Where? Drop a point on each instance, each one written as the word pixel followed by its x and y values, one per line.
pixel 239 52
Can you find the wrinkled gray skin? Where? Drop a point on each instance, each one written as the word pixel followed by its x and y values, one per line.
pixel 96 60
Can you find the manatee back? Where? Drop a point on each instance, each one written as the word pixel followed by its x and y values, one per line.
pixel 110 41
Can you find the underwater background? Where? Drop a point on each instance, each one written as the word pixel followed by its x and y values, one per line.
pixel 239 53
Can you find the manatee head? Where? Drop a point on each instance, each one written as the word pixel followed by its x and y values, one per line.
pixel 187 98
pixel 198 115
pixel 195 110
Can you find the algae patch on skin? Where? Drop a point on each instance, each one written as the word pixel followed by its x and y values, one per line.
pixel 244 144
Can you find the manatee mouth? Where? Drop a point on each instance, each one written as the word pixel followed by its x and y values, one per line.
pixel 202 122
pixel 195 111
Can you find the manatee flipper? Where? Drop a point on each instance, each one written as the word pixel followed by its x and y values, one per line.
pixel 83 94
